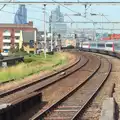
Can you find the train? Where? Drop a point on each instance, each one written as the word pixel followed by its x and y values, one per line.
pixel 113 46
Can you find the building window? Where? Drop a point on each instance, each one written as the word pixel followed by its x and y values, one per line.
pixel 17 37
pixel 6 44
pixel 7 37
pixel 6 31
pixel 31 43
pixel 5 50
pixel 17 31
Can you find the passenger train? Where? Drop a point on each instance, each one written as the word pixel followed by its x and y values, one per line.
pixel 102 45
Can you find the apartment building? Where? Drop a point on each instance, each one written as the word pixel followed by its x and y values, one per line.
pixel 68 42
pixel 7 40
pixel 11 35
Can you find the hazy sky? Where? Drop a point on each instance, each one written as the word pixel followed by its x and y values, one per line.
pixel 35 13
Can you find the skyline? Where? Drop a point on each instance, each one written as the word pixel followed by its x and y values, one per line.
pixel 56 22
pixel 37 11
pixel 21 15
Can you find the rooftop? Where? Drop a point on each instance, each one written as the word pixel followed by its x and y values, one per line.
pixel 28 25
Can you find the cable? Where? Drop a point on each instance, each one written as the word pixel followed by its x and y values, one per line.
pixel 4 5
pixel 26 5
pixel 39 7
pixel 20 15
pixel 70 18
pixel 104 17
pixel 109 21
pixel 42 11
pixel 73 11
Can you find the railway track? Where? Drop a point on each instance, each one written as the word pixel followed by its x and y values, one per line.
pixel 83 65
pixel 16 93
pixel 62 87
pixel 72 105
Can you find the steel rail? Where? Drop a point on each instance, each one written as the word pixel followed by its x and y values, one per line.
pixel 37 85
pixel 52 107
pixel 49 75
pixel 78 114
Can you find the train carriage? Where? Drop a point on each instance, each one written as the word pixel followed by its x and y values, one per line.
pixel 109 46
pixel 103 45
pixel 117 46
pixel 93 45
pixel 85 45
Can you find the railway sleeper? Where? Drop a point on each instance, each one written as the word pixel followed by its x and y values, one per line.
pixel 13 110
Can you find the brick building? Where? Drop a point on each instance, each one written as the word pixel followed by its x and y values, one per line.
pixel 13 35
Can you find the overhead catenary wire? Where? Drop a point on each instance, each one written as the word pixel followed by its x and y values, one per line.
pixel 73 11
pixel 21 15
pixel 101 14
pixel 4 5
pixel 29 10
pixel 108 20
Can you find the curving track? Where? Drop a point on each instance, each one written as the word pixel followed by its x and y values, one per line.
pixel 72 104
pixel 88 74
pixel 13 94
pixel 61 88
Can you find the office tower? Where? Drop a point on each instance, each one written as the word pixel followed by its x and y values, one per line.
pixel 21 15
pixel 54 22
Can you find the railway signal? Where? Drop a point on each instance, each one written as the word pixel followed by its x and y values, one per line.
pixel 59 36
pixel 75 36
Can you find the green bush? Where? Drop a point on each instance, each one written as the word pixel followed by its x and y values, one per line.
pixel 28 60
pixel 33 64
pixel 70 46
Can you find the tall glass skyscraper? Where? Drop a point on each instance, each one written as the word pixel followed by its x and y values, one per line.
pixel 21 15
pixel 56 17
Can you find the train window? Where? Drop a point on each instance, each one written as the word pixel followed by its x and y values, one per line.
pixel 93 45
pixel 108 45
pixel 101 45
pixel 85 44
pixel 117 46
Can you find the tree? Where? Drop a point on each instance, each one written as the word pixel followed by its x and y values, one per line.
pixel 12 49
pixel 16 49
pixel 22 49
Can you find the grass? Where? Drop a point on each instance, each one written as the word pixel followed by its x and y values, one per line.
pixel 33 64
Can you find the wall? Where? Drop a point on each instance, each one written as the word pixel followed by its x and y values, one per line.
pixel 12 31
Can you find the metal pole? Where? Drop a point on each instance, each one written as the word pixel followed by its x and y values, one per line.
pixel 51 38
pixel 44 31
pixel 94 32
pixel 102 25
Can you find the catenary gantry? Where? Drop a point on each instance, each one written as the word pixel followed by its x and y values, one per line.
pixel 62 3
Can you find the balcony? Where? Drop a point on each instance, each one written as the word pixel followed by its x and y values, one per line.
pixel 16 41
pixel 6 47
pixel 6 34
pixel 17 34
pixel 4 53
pixel 6 41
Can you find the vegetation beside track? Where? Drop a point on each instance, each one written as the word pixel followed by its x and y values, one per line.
pixel 33 64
